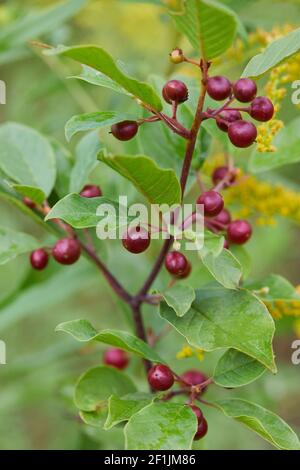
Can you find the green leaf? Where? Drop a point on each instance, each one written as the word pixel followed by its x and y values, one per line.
pixel 173 427
pixel 99 59
pixel 235 369
pixel 179 298
pixel 81 212
pixel 221 318
pixel 287 143
pixel 13 244
pixel 86 160
pixel 265 423
pixel 158 185
pixel 94 77
pixel 35 194
pixel 82 330
pixel 122 408
pixel 89 121
pixel 274 287
pixel 225 268
pixel 95 386
pixel 26 157
pixel 243 257
pixel 275 53
pixel 64 164
pixel 94 418
pixel 208 25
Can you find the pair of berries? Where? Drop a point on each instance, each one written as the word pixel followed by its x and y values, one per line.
pixel 240 132
pixel 65 251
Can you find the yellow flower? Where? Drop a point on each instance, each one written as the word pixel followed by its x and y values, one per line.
pixel 187 351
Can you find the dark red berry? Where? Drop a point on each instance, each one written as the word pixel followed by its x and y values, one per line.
pixel 136 240
pixel 66 251
pixel 202 430
pixel 116 357
pixel 193 377
pixel 223 218
pixel 239 232
pixel 226 244
pixel 218 88
pixel 242 133
pixel 91 190
pixel 175 90
pixel 245 90
pixel 262 109
pixel 197 412
pixel 160 377
pixel 176 263
pixel 29 203
pixel 39 259
pixel 220 173
pixel 186 272
pixel 124 130
pixel 212 201
pixel 226 117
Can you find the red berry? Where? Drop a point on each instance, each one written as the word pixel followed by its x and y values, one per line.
pixel 226 244
pixel 175 90
pixel 218 88
pixel 160 377
pixel 124 130
pixel 245 90
pixel 136 240
pixel 193 377
pixel 226 117
pixel 239 232
pixel 39 259
pixel 29 203
pixel 202 430
pixel 66 251
pixel 262 109
pixel 176 263
pixel 212 201
pixel 220 173
pixel 197 412
pixel 223 218
pixel 242 133
pixel 116 357
pixel 91 190
pixel 186 272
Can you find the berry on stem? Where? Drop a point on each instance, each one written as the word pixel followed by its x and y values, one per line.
pixel 244 90
pixel 220 174
pixel 223 218
pixel 262 109
pixel 193 377
pixel 176 56
pixel 116 357
pixel 124 130
pixel 197 412
pixel 212 201
pixel 136 240
pixel 177 264
pixel 175 90
pixel 239 232
pixel 91 190
pixel 66 251
pixel 186 272
pixel 202 430
pixel 29 203
pixel 218 88
pixel 39 259
pixel 226 117
pixel 242 133
pixel 160 377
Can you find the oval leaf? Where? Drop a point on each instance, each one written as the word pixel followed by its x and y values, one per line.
pixel 179 298
pixel 235 369
pixel 122 408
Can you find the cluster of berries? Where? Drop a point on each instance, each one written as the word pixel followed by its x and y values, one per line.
pixel 161 378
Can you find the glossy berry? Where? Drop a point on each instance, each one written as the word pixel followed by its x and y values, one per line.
pixel 186 272
pixel 66 251
pixel 116 357
pixel 176 263
pixel 226 117
pixel 245 90
pixel 202 430
pixel 39 259
pixel 176 56
pixel 175 90
pixel 239 232
pixel 220 173
pixel 193 377
pixel 197 412
pixel 91 190
pixel 160 377
pixel 28 202
pixel 262 109
pixel 124 130
pixel 136 240
pixel 218 88
pixel 242 133
pixel 223 218
pixel 212 201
